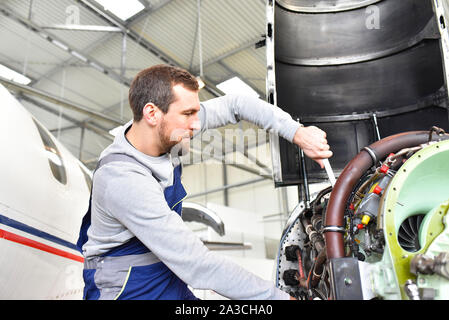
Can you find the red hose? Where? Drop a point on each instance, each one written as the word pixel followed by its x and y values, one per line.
pixel 301 270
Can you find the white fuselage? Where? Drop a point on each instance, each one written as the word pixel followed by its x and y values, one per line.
pixel 39 215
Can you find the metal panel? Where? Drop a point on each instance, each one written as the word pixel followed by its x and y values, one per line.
pixel 391 82
pixel 345 277
pixel 324 5
pixel 350 36
pixel 355 82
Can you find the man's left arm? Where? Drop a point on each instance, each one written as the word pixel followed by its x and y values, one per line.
pixel 230 109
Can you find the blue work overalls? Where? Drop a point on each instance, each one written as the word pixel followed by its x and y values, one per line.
pixel 131 271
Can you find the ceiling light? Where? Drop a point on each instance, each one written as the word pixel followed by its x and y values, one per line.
pixel 12 75
pixel 122 9
pixel 236 86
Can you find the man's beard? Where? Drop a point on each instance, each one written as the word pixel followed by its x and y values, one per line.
pixel 170 141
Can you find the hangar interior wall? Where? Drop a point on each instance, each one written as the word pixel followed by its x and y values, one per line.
pixel 254 213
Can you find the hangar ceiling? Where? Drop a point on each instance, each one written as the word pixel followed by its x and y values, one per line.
pixel 80 55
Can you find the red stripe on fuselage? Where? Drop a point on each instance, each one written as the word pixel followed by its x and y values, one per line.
pixel 38 245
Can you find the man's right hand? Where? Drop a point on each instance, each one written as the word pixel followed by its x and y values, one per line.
pixel 313 142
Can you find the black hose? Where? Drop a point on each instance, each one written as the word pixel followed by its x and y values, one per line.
pixel 318 198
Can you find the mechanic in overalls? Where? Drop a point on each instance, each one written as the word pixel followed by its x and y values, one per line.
pixel 133 239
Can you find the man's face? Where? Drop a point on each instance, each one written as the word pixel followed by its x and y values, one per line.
pixel 179 123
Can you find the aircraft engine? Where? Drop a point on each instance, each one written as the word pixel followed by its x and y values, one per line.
pixel 382 232
pixel 373 75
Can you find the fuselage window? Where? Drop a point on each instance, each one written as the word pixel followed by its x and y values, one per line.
pixel 53 155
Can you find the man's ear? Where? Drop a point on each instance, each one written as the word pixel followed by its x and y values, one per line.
pixel 151 114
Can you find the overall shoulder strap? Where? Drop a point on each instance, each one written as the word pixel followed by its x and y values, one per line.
pixel 121 157
pixel 85 224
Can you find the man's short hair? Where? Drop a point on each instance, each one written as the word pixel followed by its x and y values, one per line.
pixel 155 84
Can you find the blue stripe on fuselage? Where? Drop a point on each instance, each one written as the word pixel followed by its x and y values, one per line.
pixel 36 232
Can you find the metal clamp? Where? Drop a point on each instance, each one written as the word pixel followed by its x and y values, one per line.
pixel 334 229
pixel 372 154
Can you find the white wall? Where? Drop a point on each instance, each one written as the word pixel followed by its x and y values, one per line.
pixel 264 207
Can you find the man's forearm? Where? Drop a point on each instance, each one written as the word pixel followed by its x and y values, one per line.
pixel 230 109
pixel 233 108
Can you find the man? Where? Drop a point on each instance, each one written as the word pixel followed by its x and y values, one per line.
pixel 135 244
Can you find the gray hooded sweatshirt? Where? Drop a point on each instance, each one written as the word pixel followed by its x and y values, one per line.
pixel 127 202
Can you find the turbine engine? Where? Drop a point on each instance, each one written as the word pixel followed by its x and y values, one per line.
pixel 382 232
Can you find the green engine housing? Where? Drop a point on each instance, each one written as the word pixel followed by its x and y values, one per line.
pixel 416 201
